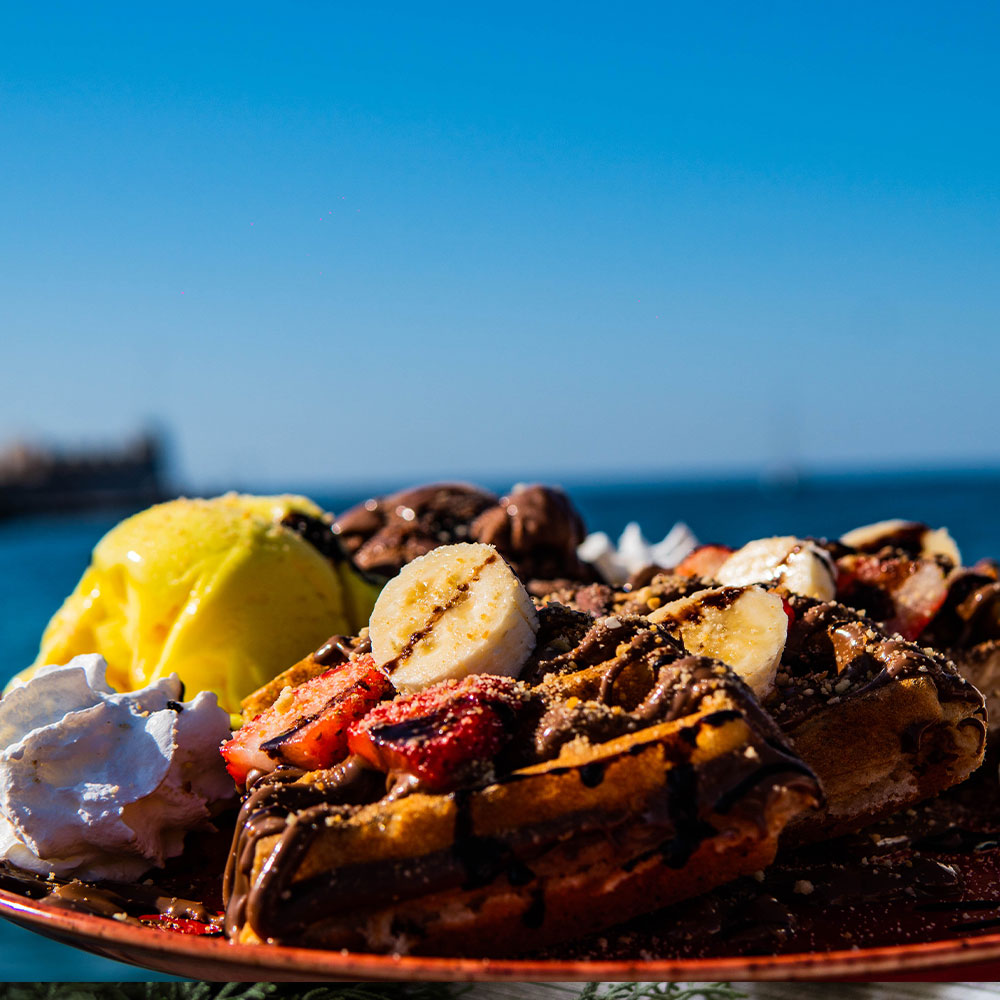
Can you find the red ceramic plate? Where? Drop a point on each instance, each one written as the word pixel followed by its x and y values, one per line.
pixel 196 957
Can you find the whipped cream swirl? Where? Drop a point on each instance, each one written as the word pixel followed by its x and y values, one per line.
pixel 101 785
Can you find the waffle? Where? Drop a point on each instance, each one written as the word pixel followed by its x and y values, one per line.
pixel 883 723
pixel 635 776
pixel 965 622
pixel 910 578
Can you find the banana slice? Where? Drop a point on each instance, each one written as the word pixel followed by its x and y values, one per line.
pixel 794 563
pixel 931 541
pixel 745 627
pixel 457 610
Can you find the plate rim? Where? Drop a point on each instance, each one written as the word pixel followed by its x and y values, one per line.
pixel 90 931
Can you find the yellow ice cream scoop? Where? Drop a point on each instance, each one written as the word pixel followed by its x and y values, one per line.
pixel 225 592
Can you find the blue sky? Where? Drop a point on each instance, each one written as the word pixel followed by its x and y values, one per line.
pixel 392 242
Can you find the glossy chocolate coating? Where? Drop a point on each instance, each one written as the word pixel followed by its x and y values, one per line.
pixel 535 528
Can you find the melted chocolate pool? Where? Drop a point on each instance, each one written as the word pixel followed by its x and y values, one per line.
pixel 185 896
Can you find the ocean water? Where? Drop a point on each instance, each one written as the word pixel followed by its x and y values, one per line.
pixel 41 560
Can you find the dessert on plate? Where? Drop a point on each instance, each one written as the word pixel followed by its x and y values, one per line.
pixel 508 734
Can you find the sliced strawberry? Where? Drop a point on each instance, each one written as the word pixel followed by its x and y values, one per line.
pixel 704 561
pixel 441 735
pixel 307 725
pixel 788 609
pixel 902 592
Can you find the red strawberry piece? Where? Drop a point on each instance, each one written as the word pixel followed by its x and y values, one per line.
pixel 909 592
pixel 704 561
pixel 442 735
pixel 788 609
pixel 307 725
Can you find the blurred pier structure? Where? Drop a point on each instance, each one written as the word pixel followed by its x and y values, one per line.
pixel 37 480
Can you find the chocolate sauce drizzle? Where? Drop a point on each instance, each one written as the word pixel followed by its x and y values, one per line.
pixel 833 651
